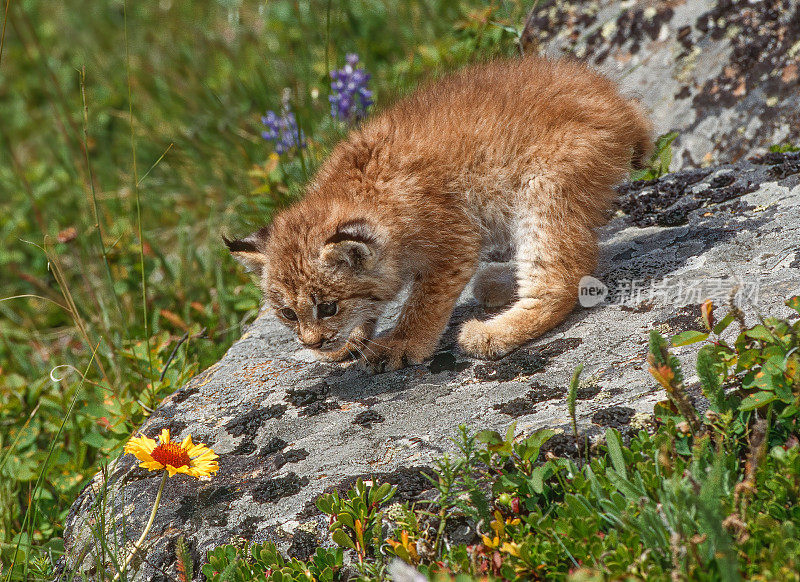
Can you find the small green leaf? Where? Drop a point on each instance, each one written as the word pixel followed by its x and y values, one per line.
pixel 324 504
pixel 490 437
pixel 759 332
pixel 794 303
pixel 724 323
pixel 688 337
pixel 776 364
pixel 510 431
pixel 384 493
pixel 533 443
pixel 757 400
pixel 359 507
pixel 537 480
pixel 578 506
pixel 659 162
pixel 401 553
pixel 389 494
pixel 614 446
pixel 769 378
pixel 343 539
pixel 346 519
pixel 95 440
pixel 748 359
pixel 624 486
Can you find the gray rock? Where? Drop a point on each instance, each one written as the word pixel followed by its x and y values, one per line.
pixel 724 74
pixel 288 428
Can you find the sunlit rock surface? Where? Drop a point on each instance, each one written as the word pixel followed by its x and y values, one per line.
pixel 725 74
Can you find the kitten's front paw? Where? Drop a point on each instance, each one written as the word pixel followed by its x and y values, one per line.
pixel 386 355
pixel 482 340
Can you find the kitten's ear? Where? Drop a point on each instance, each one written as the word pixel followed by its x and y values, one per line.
pixel 250 250
pixel 354 245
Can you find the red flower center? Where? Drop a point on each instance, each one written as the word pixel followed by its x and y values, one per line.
pixel 171 454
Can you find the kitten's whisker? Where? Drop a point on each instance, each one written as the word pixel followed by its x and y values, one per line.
pixel 373 351
pixel 380 345
pixel 364 357
pixel 358 342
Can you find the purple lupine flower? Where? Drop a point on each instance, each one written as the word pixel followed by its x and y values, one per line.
pixel 350 97
pixel 283 131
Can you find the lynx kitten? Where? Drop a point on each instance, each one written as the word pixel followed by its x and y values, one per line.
pixel 518 155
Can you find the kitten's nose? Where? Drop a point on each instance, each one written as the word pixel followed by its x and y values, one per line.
pixel 313 345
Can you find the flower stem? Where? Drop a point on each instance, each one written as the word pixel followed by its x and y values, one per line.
pixel 146 531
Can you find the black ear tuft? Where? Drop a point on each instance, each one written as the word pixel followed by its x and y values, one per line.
pixel 249 244
pixel 358 230
pixel 353 246
pixel 240 246
pixel 250 250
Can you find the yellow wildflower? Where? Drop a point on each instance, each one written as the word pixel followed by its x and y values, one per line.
pixel 405 548
pixel 195 460
pixel 497 525
pixel 510 548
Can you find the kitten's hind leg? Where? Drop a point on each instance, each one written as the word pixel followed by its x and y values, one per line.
pixel 495 285
pixel 555 248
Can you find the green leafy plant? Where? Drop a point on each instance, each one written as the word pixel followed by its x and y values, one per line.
pixel 760 368
pixel 456 484
pixel 356 519
pixel 784 148
pixel 659 161
pixel 264 562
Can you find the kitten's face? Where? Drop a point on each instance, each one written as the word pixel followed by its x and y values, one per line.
pixel 321 311
pixel 322 291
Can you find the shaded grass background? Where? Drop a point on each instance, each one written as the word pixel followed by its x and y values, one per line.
pixel 102 103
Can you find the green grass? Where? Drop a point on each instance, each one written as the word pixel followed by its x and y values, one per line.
pixel 129 141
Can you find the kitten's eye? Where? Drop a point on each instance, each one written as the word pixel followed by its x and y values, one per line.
pixel 327 309
pixel 289 314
